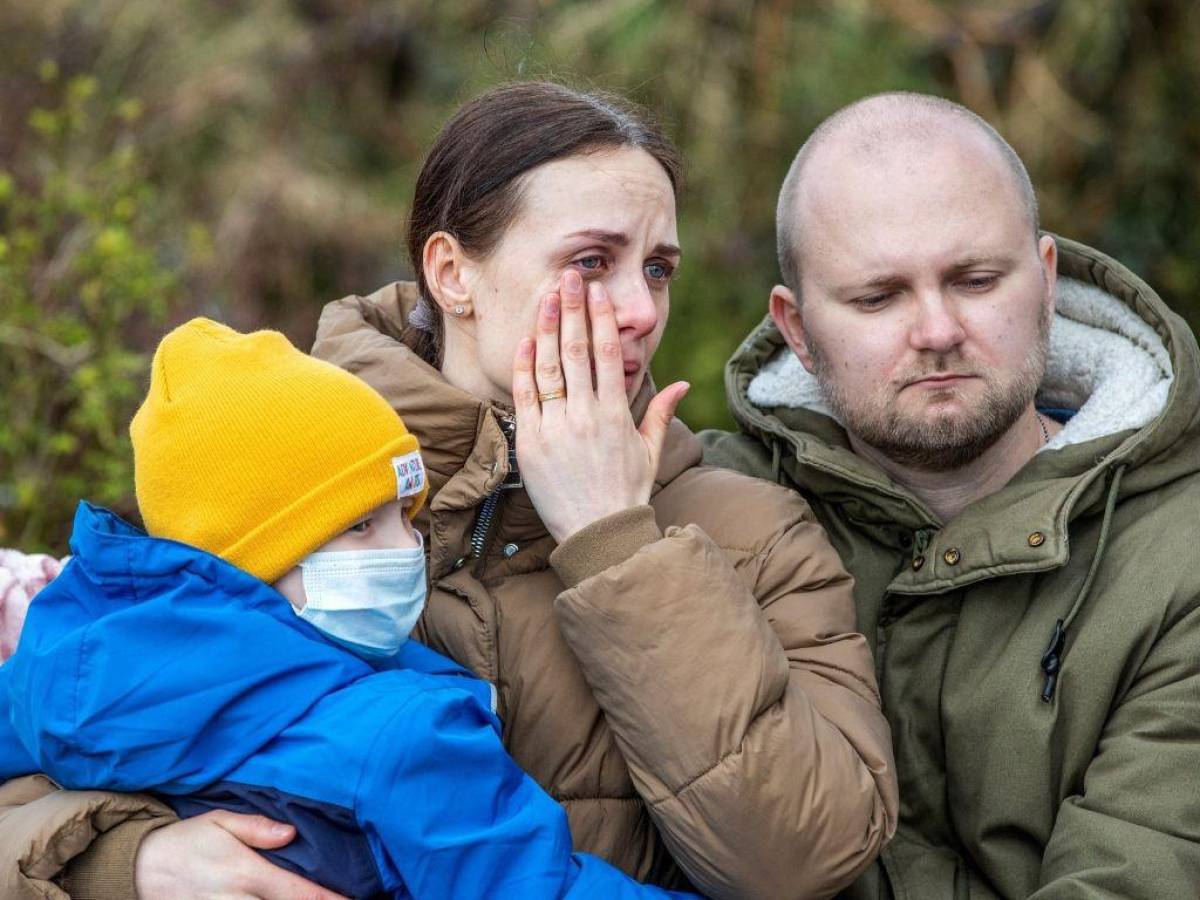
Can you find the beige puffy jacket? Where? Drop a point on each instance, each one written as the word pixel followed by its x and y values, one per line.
pixel 684 677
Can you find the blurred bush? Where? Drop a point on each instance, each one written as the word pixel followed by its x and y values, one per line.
pixel 80 271
pixel 272 147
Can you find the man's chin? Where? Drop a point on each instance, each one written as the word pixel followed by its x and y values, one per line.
pixel 937 438
pixel 937 428
pixel 959 399
pixel 950 418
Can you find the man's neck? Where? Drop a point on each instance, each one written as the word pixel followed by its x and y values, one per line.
pixel 948 493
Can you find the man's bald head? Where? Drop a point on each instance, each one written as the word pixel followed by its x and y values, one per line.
pixel 881 127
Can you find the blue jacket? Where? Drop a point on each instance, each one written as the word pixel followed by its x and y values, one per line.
pixel 151 665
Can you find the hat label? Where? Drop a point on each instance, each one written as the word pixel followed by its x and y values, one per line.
pixel 410 474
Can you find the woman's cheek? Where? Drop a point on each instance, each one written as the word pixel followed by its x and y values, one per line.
pixel 656 335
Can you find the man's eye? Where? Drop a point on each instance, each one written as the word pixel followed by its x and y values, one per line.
pixel 359 527
pixel 659 271
pixel 874 301
pixel 979 282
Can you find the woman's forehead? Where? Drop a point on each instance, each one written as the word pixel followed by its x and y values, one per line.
pixel 613 190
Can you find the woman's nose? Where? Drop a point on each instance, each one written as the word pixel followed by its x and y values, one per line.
pixel 634 306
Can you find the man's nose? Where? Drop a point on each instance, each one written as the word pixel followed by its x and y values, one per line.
pixel 937 326
pixel 634 306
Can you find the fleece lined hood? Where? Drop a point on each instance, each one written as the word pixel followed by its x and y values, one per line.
pixel 1117 355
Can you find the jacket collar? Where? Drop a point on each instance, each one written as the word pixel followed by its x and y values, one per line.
pixel 112 549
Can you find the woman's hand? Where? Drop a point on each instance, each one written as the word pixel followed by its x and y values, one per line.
pixel 581 455
pixel 211 857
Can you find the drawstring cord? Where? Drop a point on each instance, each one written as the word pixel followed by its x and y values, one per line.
pixel 1052 658
pixel 777 460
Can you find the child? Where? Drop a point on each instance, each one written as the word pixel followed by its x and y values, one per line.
pixel 173 662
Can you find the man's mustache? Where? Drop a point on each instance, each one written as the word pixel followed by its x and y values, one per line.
pixel 943 365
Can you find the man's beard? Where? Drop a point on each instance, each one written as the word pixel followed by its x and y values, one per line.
pixel 942 442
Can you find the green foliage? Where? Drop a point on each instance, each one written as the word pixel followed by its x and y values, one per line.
pixel 272 148
pixel 79 275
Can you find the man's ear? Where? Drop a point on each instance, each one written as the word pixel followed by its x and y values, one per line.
pixel 785 312
pixel 1048 256
pixel 448 270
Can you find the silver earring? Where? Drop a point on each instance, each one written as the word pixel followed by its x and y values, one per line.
pixel 459 310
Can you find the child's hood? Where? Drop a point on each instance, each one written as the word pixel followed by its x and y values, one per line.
pixel 147 657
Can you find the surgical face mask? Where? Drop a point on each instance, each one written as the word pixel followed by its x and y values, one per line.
pixel 366 600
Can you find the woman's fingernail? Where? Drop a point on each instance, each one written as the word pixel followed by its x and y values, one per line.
pixel 280 830
pixel 551 306
pixel 525 347
pixel 572 281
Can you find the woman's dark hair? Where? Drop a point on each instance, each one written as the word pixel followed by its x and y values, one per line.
pixel 470 183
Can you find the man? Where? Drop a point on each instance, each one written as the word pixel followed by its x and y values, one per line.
pixel 1001 434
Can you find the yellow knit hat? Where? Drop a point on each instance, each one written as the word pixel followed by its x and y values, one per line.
pixel 256 452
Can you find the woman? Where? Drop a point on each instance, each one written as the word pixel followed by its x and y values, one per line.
pixel 672 646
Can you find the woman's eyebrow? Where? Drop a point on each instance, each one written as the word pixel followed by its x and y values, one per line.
pixel 620 239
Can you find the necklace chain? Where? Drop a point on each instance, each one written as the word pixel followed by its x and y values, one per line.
pixel 1042 425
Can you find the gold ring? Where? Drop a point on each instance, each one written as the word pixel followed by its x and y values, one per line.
pixel 552 395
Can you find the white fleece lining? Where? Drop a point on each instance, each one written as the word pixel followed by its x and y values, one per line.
pixel 1104 361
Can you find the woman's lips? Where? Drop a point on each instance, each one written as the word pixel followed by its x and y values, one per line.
pixel 633 371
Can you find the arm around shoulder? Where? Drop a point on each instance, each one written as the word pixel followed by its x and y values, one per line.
pixel 56 843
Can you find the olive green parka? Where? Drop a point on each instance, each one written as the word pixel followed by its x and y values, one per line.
pixel 1039 655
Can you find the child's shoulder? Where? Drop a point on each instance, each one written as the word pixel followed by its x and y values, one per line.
pixel 370 727
pixel 378 698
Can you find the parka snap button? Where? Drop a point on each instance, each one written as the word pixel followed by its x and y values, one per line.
pixel 1037 539
pixel 952 556
pixel 917 562
pixel 510 550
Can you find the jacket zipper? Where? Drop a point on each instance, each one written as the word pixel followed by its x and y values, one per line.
pixel 483 524
pixel 482 532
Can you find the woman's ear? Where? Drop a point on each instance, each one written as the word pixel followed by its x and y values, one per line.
pixel 447 274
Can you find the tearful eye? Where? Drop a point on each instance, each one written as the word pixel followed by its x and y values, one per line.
pixel 659 271
pixel 591 263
